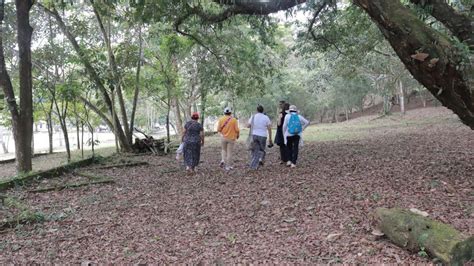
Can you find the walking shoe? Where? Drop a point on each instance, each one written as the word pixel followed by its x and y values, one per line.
pixel 228 168
pixel 288 163
pixel 222 164
pixel 293 165
pixel 260 162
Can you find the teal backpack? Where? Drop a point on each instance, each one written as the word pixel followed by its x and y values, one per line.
pixel 294 124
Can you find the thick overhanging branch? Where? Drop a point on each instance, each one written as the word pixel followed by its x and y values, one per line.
pixel 440 72
pixel 461 25
pixel 258 7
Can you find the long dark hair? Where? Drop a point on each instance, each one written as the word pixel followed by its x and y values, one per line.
pixel 285 107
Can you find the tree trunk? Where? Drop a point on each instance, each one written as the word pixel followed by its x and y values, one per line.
pixel 413 232
pixel 4 147
pixel 423 98
pixel 444 72
pixel 137 85
pixel 78 133
pixel 168 110
pixel 82 140
pixel 117 79
pixel 204 105
pixel 177 115
pixel 387 105
pixel 49 123
pixel 22 118
pixel 402 96
pixel 66 140
pixel 92 143
pixel 62 114
pixel 115 122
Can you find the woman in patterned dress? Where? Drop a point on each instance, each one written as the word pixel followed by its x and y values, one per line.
pixel 193 139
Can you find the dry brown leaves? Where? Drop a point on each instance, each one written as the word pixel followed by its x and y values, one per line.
pixel 316 213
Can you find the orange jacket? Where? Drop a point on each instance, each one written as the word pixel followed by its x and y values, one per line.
pixel 230 130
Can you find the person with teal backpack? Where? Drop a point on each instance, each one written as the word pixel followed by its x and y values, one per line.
pixel 293 128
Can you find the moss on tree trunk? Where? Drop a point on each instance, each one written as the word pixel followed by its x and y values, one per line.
pixel 413 232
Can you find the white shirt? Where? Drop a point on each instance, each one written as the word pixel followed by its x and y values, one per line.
pixel 260 124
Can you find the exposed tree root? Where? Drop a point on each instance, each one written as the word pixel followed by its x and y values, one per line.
pixel 72 185
pixel 415 232
pixel 123 165
pixel 54 172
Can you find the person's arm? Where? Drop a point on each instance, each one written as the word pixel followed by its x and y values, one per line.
pixel 184 134
pixel 249 124
pixel 285 124
pixel 304 122
pixel 270 141
pixel 269 127
pixel 237 130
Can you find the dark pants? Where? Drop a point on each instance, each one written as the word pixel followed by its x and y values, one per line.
pixel 284 153
pixel 293 144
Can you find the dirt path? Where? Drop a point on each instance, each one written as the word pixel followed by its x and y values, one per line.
pixel 158 214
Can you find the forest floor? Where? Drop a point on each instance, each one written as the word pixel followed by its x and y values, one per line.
pixel 319 212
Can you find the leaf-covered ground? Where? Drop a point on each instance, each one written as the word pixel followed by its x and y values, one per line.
pixel 319 212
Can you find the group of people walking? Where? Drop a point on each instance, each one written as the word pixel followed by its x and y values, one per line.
pixel 290 126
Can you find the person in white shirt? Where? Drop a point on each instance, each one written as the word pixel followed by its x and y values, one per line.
pixel 261 127
pixel 293 132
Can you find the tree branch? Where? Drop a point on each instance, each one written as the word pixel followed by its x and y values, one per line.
pixel 460 25
pixel 5 80
pixel 113 66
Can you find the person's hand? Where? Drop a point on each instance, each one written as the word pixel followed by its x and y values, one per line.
pixel 238 135
pixel 202 143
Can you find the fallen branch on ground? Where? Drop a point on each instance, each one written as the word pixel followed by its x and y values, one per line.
pixel 121 165
pixel 72 185
pixel 54 172
pixel 91 176
pixel 415 232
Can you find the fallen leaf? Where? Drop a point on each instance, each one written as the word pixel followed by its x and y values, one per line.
pixel 377 232
pixel 332 237
pixel 422 213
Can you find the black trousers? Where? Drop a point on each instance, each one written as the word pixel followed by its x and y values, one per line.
pixel 293 145
pixel 283 152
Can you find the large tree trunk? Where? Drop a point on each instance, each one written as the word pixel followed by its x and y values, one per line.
pixel 22 118
pixel 24 130
pixel 442 72
pixel 413 232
